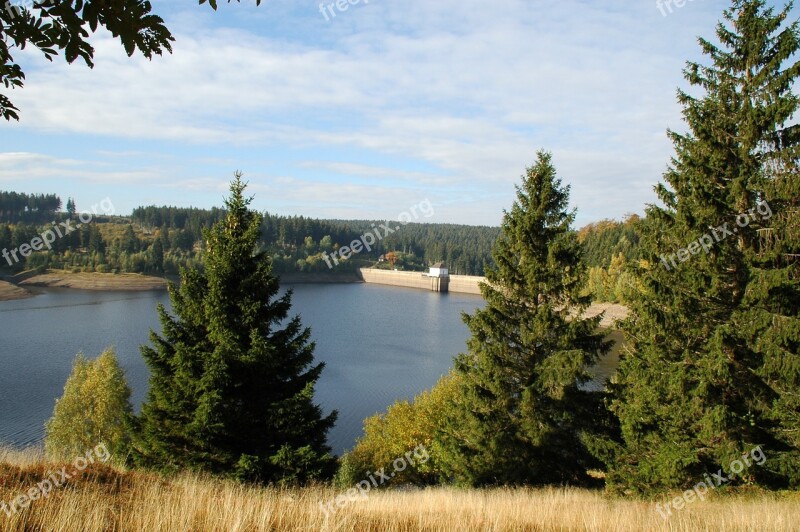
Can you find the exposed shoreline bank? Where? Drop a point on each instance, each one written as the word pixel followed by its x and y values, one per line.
pixel 137 282
pixel 10 292
pixel 95 281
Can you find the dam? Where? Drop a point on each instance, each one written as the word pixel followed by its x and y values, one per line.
pixel 436 280
pixel 470 284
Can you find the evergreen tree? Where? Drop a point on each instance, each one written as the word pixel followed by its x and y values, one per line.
pixel 713 368
pixel 93 238
pixel 523 406
pixel 129 243
pixel 232 379
pixel 165 238
pixel 5 237
pixel 158 255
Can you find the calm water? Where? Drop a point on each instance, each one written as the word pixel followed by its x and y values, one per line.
pixel 380 344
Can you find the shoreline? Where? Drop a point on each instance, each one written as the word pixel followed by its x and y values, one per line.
pixel 319 278
pixel 95 281
pixel 134 282
pixel 12 292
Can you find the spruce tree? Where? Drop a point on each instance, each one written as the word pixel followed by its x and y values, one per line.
pixel 713 368
pixel 232 377
pixel 522 406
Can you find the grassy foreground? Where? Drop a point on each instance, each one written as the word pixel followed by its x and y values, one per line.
pixel 105 498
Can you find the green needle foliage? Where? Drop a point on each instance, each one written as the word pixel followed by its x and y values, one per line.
pixel 713 367
pixel 232 378
pixel 522 407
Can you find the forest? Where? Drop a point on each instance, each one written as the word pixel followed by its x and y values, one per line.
pixel 161 240
pixel 23 208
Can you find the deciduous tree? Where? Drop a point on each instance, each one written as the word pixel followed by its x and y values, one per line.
pixel 95 409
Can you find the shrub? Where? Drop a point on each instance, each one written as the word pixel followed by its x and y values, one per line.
pixel 94 409
pixel 404 427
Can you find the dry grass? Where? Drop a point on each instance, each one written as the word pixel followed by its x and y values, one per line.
pixel 109 499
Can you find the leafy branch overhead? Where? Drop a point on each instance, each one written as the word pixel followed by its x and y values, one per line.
pixel 65 26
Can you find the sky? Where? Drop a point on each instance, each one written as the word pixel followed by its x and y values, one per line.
pixel 366 112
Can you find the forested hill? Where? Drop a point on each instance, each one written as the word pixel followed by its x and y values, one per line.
pixel 466 249
pixel 161 239
pixel 610 247
pixel 298 243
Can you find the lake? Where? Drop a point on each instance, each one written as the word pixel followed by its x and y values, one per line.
pixel 379 343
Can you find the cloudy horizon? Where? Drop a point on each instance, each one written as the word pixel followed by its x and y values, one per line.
pixel 363 114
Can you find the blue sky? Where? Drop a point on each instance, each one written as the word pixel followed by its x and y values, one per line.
pixel 367 113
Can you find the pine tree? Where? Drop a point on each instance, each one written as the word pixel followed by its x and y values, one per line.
pixel 5 238
pixel 158 255
pixel 232 379
pixel 129 243
pixel 71 209
pixel 713 367
pixel 96 244
pixel 523 406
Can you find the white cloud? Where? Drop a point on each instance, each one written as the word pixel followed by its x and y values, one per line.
pixel 466 90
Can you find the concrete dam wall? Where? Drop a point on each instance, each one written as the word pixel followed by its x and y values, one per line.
pixel 468 284
pixel 464 284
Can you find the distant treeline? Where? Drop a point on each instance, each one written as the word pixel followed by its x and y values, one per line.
pixel 606 239
pixel 609 247
pixel 466 249
pixel 17 207
pixel 160 240
pixel 298 243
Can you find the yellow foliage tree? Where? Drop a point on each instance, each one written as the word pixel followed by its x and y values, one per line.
pixel 95 409
pixel 405 426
